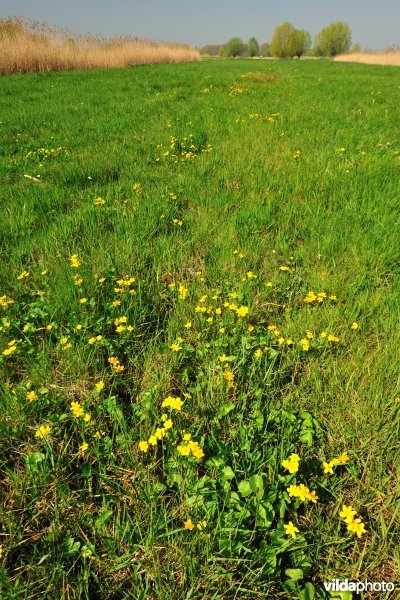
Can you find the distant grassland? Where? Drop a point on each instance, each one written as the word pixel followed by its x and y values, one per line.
pixel 34 47
pixel 199 310
pixel 372 58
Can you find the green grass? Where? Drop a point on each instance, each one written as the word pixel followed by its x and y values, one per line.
pixel 108 522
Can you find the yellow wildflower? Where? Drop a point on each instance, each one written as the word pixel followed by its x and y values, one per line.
pixel 42 431
pixel 143 446
pixel 290 529
pixel 31 396
pixel 189 524
pixel 175 347
pixel 77 409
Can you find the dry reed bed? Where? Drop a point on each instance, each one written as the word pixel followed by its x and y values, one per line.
pixel 34 47
pixel 372 58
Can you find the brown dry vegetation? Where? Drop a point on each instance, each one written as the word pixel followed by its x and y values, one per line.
pixel 27 47
pixel 372 58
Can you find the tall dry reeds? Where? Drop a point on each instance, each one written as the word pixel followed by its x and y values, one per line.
pixel 372 58
pixel 28 47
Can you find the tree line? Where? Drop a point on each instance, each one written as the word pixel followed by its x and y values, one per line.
pixel 289 42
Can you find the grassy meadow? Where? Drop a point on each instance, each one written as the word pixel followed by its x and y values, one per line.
pixel 199 310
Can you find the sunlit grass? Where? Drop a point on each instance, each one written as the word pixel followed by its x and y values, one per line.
pixel 165 238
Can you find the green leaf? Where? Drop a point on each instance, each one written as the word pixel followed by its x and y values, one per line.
pixel 308 593
pixel 227 473
pixel 70 547
pixel 294 574
pixel 307 437
pixel 102 519
pixel 257 485
pixel 86 470
pixel 244 488
pixel 265 515
pixel 225 409
pixel 215 461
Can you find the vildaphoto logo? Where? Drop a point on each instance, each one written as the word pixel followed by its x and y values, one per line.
pixel 336 585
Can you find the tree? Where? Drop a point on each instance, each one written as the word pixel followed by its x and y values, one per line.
pixel 264 49
pixel 301 42
pixel 235 47
pixel 282 41
pixel 254 48
pixel 334 39
pixel 288 41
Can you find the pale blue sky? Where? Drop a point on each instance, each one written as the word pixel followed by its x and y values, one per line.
pixel 198 22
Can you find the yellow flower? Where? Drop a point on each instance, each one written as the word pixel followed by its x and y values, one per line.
pixel 99 386
pixel 223 358
pixel 116 303
pixel 175 347
pixel 332 338
pixel 284 268
pixel 354 325
pixel 42 431
pixel 196 450
pixel 305 344
pixel 87 417
pixel 250 275
pixel 172 402
pixel 250 328
pixel 23 275
pixel 202 525
pixel 189 524
pixel 347 513
pixel 143 446
pixel 258 353
pixel 269 284
pixel 188 325
pixel 183 292
pixel 9 350
pixel 242 311
pixel 83 300
pixel 290 529
pixel 99 201
pixel 183 449
pixel 76 409
pixel 31 396
pixel 152 440
pixel 84 446
pixel 74 261
pixel 292 463
pixel 357 527
pixel 328 467
pixel 221 330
